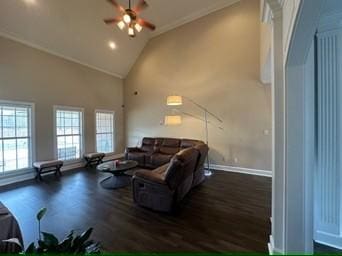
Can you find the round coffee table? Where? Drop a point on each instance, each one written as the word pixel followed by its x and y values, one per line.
pixel 119 178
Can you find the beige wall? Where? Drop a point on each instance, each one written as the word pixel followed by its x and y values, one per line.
pixel 29 75
pixel 215 61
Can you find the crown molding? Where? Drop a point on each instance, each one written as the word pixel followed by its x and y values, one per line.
pixel 192 17
pixel 330 22
pixel 276 7
pixel 266 14
pixel 7 35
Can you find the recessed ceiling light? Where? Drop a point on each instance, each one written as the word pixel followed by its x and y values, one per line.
pixel 31 2
pixel 112 45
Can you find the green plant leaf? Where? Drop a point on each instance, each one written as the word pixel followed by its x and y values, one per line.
pixel 31 249
pixel 85 235
pixel 65 245
pixel 42 246
pixel 41 213
pixel 75 244
pixel 49 239
pixel 13 241
pixel 93 248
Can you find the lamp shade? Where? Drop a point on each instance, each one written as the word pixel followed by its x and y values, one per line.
pixel 173 120
pixel 174 100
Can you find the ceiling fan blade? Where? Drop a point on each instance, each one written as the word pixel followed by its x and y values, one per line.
pixel 117 6
pixel 111 20
pixel 141 5
pixel 146 24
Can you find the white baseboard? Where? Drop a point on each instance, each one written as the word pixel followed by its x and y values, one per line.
pixel 270 246
pixel 226 168
pixel 328 239
pixel 30 175
pixel 17 178
pixel 271 249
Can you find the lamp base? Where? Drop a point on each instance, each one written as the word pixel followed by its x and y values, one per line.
pixel 208 172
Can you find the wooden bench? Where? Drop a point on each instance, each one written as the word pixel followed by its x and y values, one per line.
pixel 94 158
pixel 47 167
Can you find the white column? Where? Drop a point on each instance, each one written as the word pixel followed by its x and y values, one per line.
pixel 328 189
pixel 278 131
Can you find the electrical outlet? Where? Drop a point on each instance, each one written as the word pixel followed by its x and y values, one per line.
pixel 236 160
pixel 266 132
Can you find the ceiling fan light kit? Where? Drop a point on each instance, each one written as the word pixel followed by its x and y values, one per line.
pixel 129 17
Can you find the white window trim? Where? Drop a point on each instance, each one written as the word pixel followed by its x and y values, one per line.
pixel 32 131
pixel 114 129
pixel 68 108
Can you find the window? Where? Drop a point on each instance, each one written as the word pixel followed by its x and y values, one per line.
pixel 15 137
pixel 69 133
pixel 105 131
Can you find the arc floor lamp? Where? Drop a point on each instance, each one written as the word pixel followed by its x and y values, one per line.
pixel 177 100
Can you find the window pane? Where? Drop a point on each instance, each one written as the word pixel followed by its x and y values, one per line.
pixel 10 155
pixel 104 132
pixel 61 147
pixel 68 134
pixel 15 138
pixel 8 120
pixel 23 153
pixel 1 158
pixel 21 126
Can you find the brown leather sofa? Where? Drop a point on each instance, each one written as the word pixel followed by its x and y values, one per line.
pixel 164 187
pixel 155 152
pixel 179 167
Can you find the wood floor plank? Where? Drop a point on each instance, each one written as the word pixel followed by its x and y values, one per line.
pixel 228 213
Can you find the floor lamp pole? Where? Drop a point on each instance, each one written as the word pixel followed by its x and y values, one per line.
pixel 177 100
pixel 207 172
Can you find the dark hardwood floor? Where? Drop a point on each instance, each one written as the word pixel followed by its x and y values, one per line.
pixel 324 249
pixel 228 213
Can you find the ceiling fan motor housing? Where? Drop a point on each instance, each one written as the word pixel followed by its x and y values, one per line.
pixel 132 14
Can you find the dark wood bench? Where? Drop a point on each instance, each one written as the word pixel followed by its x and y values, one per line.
pixel 94 158
pixel 47 167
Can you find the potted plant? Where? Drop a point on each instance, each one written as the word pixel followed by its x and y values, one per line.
pixel 48 243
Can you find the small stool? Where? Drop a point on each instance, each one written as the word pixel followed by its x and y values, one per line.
pixel 47 167
pixel 94 158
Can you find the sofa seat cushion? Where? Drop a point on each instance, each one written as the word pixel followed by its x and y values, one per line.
pixel 48 164
pixel 137 156
pixel 158 159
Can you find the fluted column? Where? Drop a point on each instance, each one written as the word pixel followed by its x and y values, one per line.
pixel 328 188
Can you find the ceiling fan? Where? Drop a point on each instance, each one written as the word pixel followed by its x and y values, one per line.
pixel 129 17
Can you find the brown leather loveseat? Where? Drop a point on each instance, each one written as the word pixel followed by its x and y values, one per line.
pixel 179 167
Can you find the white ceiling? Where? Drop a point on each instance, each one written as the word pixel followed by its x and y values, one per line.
pixel 74 29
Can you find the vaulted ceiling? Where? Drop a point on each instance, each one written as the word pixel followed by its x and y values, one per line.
pixel 74 29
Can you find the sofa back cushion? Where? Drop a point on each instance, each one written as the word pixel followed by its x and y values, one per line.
pixel 181 166
pixel 169 146
pixel 147 144
pixel 187 143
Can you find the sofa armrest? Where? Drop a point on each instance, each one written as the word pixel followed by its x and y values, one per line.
pixel 150 176
pixel 133 150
